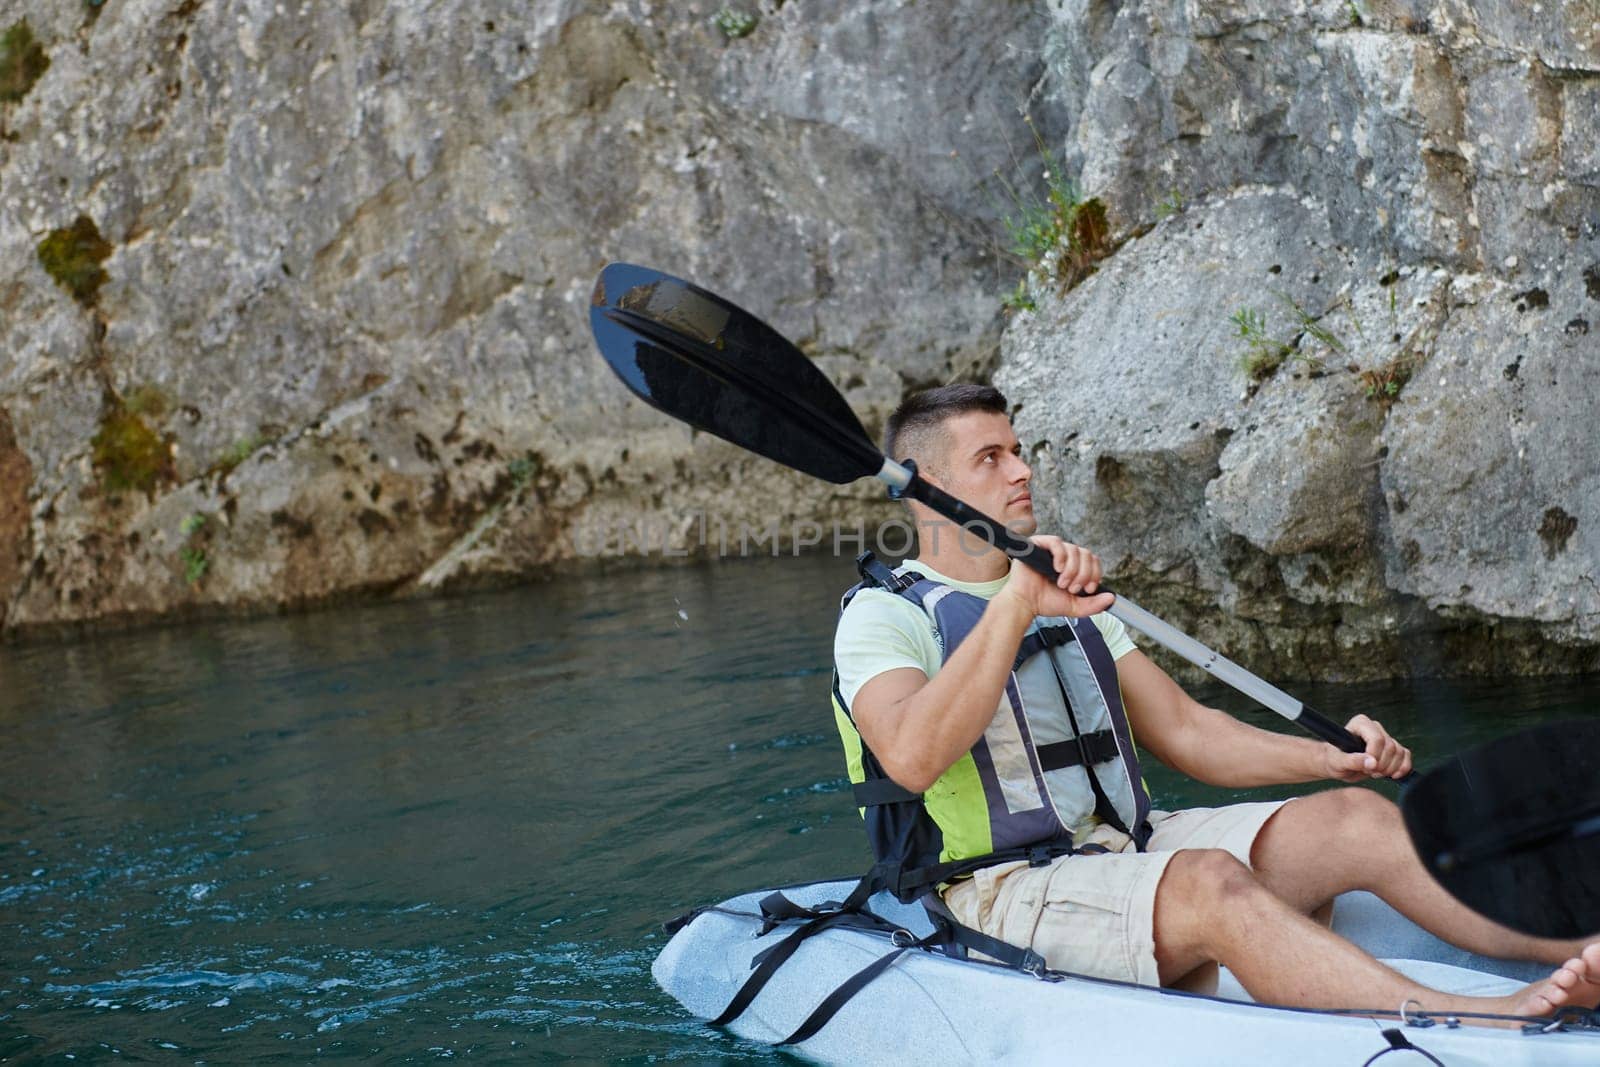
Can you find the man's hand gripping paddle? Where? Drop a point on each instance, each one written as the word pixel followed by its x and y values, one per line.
pixel 1521 850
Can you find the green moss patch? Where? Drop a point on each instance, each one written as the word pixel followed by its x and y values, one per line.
pixel 147 400
pixel 72 256
pixel 22 61
pixel 129 454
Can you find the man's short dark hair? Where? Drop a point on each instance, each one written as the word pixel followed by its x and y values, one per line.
pixel 914 426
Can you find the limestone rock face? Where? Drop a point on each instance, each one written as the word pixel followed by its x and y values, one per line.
pixel 1395 206
pixel 342 344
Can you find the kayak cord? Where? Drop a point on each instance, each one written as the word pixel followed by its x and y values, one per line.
pixel 1398 1042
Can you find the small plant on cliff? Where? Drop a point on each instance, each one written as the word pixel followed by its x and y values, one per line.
pixel 1063 225
pixel 72 256
pixel 522 469
pixel 1384 383
pixel 1262 355
pixel 735 23
pixel 191 555
pixel 1019 299
pixel 22 61
pixel 128 454
pixel 1309 324
pixel 1171 206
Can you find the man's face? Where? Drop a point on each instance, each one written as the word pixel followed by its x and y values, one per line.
pixel 983 466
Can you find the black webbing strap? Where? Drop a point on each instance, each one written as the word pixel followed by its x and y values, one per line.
pixel 1040 640
pixel 776 907
pixel 1099 746
pixel 945 931
pixel 876 572
pixel 771 960
pixel 909 884
pixel 1023 959
pixel 841 996
pixel 877 792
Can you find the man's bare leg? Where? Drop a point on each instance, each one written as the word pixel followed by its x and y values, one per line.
pixel 1210 907
pixel 1330 843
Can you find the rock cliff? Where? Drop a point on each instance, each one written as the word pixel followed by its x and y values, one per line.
pixel 1342 376
pixel 294 296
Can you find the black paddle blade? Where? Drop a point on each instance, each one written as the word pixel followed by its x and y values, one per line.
pixel 1512 829
pixel 698 358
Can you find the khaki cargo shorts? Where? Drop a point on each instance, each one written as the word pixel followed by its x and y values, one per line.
pixel 1095 914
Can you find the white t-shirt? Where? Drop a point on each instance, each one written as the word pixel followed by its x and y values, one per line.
pixel 881 631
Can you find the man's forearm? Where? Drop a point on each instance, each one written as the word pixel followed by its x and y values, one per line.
pixel 1220 750
pixel 943 720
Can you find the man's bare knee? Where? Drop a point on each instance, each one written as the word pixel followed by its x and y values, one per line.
pixel 1209 878
pixel 1364 823
pixel 1363 805
pixel 1348 822
pixel 1202 892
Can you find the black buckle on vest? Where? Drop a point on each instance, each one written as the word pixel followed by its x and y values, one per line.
pixel 1032 963
pixel 1040 856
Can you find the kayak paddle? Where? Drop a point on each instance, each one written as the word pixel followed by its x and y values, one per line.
pixel 707 362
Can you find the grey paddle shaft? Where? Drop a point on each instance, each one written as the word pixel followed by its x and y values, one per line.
pixel 1230 673
pixel 903 481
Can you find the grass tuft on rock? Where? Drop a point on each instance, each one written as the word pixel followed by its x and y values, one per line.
pixel 1385 383
pixel 735 23
pixel 129 454
pixel 22 61
pixel 72 256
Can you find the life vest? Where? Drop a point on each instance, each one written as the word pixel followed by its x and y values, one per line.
pixel 1057 757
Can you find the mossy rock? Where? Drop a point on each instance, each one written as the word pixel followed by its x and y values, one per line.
pixel 22 61
pixel 129 454
pixel 72 256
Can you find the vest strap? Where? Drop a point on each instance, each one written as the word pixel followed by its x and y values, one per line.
pixel 875 572
pixel 876 792
pixel 1100 747
pixel 909 883
pixel 1042 640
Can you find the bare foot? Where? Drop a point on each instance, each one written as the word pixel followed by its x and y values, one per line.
pixel 1576 984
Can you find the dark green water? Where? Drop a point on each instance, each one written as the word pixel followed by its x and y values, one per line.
pixel 448 829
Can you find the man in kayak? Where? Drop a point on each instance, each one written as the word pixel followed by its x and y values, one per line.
pixel 1015 757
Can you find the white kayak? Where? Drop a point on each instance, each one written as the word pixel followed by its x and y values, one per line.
pixel 929 1008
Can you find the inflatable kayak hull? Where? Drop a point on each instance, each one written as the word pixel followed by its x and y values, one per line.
pixel 928 1008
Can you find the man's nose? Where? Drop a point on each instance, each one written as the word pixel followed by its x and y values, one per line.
pixel 1020 471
